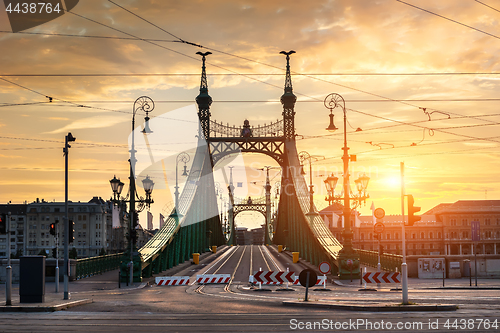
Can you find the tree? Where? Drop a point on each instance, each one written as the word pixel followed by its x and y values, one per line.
pixel 73 254
pixel 42 253
pixel 102 252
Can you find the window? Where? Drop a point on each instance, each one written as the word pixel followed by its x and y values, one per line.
pixel 388 236
pixel 422 235
pixel 431 235
pixel 465 222
pixel 487 222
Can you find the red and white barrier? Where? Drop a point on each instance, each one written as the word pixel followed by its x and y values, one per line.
pixel 381 277
pixel 272 277
pixel 213 278
pixel 320 281
pixel 172 280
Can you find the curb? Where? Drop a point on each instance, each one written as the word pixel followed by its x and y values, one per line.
pixel 374 308
pixel 23 308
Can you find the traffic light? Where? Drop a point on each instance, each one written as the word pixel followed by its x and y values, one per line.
pixel 133 235
pixel 412 210
pixel 71 226
pixel 54 252
pixel 3 224
pixel 53 229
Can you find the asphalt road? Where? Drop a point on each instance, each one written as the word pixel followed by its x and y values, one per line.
pixel 237 307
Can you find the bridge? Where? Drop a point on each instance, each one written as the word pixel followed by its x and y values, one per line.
pixel 195 224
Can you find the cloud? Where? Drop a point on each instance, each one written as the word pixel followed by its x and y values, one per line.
pixel 90 122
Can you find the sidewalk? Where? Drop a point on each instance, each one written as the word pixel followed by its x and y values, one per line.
pixel 81 291
pixel 78 293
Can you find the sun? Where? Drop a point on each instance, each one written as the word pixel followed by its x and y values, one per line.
pixel 392 182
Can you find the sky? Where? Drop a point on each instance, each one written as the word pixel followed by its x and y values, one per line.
pixel 419 77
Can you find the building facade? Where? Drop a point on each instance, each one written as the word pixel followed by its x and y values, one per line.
pixel 90 232
pixel 17 230
pixel 443 230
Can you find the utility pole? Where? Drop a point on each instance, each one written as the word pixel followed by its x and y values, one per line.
pixel 8 269
pixel 57 257
pixel 404 267
pixel 69 138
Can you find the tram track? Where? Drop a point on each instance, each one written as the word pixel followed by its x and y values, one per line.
pixel 264 252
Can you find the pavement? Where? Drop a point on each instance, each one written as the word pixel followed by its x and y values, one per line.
pixel 85 291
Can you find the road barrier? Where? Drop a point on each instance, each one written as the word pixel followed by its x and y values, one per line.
pixel 213 278
pixel 172 280
pixel 381 277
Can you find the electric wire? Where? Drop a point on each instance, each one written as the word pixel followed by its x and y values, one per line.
pixel 482 3
pixel 227 69
pixel 451 20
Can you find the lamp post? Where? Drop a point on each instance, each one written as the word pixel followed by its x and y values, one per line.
pixel 348 259
pixel 182 157
pixel 303 156
pixel 146 105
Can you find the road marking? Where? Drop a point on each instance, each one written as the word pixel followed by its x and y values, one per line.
pixel 271 257
pixel 251 260
pixel 232 251
pixel 260 249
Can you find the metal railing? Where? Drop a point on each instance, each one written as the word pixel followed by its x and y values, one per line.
pixel 221 130
pixel 87 267
pixel 388 262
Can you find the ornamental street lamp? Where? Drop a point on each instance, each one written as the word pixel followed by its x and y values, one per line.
pixel 182 157
pixel 303 156
pixel 146 105
pixel 348 258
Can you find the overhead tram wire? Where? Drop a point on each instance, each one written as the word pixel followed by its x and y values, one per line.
pixel 482 3
pixel 246 74
pixel 191 57
pixel 451 20
pixel 347 87
pixel 85 36
pixel 276 67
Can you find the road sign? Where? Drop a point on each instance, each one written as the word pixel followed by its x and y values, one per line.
pixel 475 231
pixel 273 277
pixel 381 277
pixel 320 280
pixel 379 213
pixel 312 278
pixel 324 267
pixel 379 228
